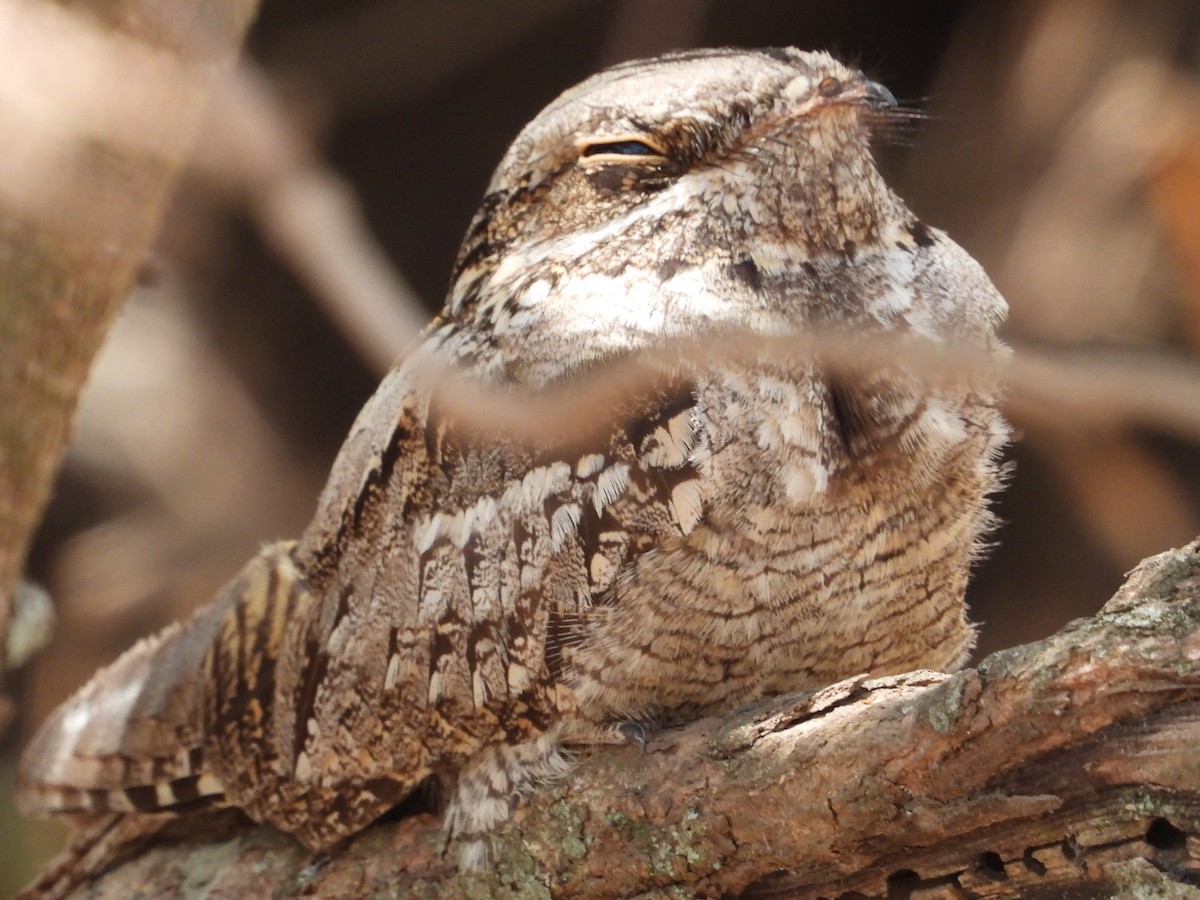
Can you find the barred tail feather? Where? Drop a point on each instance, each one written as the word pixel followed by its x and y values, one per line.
pixel 126 742
pixel 131 740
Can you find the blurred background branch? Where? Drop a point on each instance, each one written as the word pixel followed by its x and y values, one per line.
pixel 98 112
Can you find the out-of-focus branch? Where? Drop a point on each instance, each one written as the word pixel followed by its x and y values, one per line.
pixel 1130 500
pixel 1106 389
pixel 1061 149
pixel 98 112
pixel 310 215
pixel 1175 190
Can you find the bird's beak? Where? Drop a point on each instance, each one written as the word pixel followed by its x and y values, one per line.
pixel 872 95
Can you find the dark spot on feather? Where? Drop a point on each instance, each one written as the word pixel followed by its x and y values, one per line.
pixel 853 418
pixel 589 537
pixel 384 789
pixel 306 695
pixel 747 272
pixel 481 249
pixel 518 631
pixel 668 269
pixel 262 687
pixel 377 479
pixel 612 179
pixel 441 645
pixel 920 233
pixel 218 679
pixel 670 405
pixel 472 561
pixel 391 453
pixel 522 540
pixel 240 637
pixel 479 633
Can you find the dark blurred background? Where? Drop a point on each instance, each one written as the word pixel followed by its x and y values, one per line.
pixel 1061 148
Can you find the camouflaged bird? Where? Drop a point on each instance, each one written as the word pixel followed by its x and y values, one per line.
pixel 462 607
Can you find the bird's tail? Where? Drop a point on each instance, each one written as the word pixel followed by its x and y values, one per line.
pixel 132 739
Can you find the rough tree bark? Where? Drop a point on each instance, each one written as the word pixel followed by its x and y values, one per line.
pixel 105 98
pixel 1066 767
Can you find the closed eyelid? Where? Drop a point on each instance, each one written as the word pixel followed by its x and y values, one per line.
pixel 632 145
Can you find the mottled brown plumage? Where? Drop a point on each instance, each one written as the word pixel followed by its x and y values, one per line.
pixel 461 606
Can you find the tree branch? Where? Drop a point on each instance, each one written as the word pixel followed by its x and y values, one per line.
pixel 1066 763
pixel 99 110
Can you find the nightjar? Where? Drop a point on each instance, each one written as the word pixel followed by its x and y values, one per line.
pixel 463 605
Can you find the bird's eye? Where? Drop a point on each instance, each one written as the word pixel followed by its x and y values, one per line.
pixel 624 147
pixel 829 87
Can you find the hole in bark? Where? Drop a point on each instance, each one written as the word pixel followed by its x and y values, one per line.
pixel 991 864
pixel 1162 835
pixel 1032 863
pixel 902 883
pixel 1070 848
pixel 774 884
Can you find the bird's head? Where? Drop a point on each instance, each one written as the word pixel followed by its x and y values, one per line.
pixel 698 174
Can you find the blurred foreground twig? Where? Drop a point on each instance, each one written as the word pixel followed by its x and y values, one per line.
pixel 1087 389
